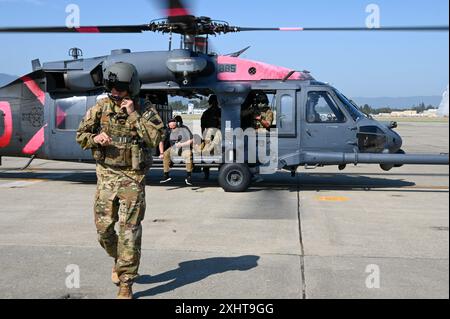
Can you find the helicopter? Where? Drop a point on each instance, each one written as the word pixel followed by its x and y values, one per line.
pixel 315 125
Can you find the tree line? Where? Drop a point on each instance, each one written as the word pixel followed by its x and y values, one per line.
pixel 367 109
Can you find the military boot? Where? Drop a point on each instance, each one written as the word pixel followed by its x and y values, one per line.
pixel 115 277
pixel 125 291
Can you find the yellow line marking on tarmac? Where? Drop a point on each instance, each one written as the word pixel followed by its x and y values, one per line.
pixel 332 198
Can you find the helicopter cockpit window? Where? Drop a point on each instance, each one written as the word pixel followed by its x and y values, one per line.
pixel 351 107
pixel 69 113
pixel 321 108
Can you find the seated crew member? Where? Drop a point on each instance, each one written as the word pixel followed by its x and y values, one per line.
pixel 263 114
pixel 263 119
pixel 247 111
pixel 177 142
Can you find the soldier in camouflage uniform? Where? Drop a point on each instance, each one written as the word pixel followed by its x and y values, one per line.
pixel 121 138
pixel 263 114
pixel 262 121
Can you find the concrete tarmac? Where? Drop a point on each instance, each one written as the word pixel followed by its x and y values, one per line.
pixel 360 233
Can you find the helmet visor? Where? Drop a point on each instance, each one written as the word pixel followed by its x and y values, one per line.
pixel 119 86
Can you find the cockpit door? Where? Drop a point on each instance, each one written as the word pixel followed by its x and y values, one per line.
pixel 325 126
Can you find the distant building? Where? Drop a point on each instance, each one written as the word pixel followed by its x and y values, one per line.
pixel 190 108
pixel 432 113
pixel 407 113
pixel 199 111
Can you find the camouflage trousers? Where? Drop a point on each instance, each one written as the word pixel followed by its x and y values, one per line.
pixel 120 198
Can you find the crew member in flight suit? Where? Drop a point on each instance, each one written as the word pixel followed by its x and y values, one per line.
pixel 121 137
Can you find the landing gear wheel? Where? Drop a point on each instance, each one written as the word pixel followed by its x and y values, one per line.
pixel 234 178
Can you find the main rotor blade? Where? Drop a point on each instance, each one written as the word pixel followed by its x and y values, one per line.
pixel 176 8
pixel 84 29
pixel 178 12
pixel 382 29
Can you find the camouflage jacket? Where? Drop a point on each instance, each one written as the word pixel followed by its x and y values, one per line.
pixel 148 127
pixel 266 115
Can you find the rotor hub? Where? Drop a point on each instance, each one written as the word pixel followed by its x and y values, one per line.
pixel 196 27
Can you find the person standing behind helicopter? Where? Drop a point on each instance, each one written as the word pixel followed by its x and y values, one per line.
pixel 211 123
pixel 211 118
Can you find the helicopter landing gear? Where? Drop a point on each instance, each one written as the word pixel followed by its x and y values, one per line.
pixel 234 178
pixel 387 167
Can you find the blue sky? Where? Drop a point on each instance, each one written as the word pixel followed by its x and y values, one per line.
pixel 359 64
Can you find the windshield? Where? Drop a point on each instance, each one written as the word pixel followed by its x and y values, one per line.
pixel 351 107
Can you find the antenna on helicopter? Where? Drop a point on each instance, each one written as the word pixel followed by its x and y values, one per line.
pixel 75 53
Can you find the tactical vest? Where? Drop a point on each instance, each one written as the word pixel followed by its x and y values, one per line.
pixel 266 115
pixel 127 149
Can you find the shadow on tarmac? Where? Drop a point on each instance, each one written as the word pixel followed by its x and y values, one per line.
pixel 278 181
pixel 190 272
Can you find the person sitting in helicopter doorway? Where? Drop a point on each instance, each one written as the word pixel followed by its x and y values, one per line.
pixel 263 114
pixel 263 119
pixel 211 129
pixel 177 142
